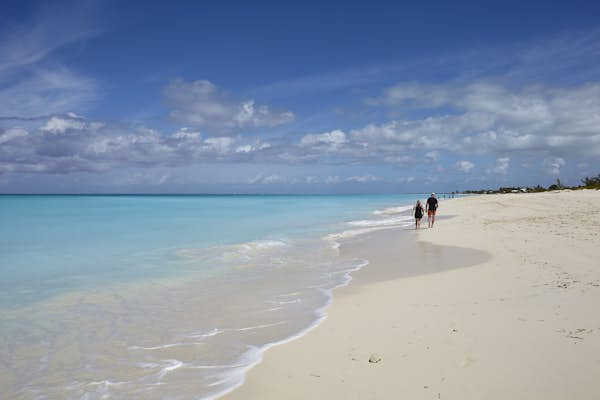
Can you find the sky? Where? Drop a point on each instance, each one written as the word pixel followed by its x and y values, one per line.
pixel 297 97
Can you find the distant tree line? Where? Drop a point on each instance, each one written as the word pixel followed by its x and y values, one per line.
pixel 587 183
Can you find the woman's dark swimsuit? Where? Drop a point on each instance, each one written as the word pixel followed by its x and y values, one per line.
pixel 419 212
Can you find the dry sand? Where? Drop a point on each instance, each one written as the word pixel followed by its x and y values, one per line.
pixel 513 311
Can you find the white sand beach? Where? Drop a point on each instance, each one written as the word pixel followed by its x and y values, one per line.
pixel 507 308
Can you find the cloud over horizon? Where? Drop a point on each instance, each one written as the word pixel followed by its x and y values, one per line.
pixel 75 99
pixel 536 122
pixel 200 103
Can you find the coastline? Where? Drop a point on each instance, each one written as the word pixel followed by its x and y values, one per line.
pixel 195 327
pixel 504 310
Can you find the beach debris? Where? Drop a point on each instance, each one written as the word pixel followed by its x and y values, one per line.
pixel 467 361
pixel 375 358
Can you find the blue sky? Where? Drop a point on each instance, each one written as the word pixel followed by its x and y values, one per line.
pixel 305 97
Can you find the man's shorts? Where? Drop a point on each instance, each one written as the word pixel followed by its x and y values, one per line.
pixel 430 213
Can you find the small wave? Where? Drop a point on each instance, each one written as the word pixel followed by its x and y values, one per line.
pixel 106 383
pixel 251 328
pixel 165 367
pixel 164 346
pixel 200 335
pixel 246 252
pixel 293 294
pixel 234 376
pixel 288 301
pixel 271 309
pixel 380 222
pixel 253 247
pixel 393 210
pixel 235 251
pixel 352 233
pixel 173 365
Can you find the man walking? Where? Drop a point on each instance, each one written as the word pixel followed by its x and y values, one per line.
pixel 431 208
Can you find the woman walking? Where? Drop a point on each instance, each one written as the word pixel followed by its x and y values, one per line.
pixel 418 210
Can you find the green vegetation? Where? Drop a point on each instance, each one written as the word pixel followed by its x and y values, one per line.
pixel 588 183
pixel 591 183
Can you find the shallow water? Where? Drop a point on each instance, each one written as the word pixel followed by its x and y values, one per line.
pixel 166 296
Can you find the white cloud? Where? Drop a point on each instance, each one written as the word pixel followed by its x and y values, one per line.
pixel 59 125
pixel 187 133
pixel 332 179
pixel 362 179
pixel 220 144
pixel 552 165
pixel 70 143
pixel 147 178
pixel 200 103
pixel 332 139
pixel 488 118
pixel 33 80
pixel 251 116
pixel 405 179
pixel 11 134
pixel 274 178
pixel 464 166
pixel 399 160
pixel 501 166
pixel 244 149
pixel 45 91
pixel 423 95
pixel 264 179
pixel 432 156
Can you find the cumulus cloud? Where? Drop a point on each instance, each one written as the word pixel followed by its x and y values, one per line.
pixel 552 165
pixel 464 166
pixel 70 143
pixel 488 117
pixel 549 123
pixel 329 140
pixel 59 125
pixel 399 160
pixel 432 156
pixel 274 178
pixel 200 103
pixel 267 179
pixel 362 179
pixel 406 179
pixel 501 166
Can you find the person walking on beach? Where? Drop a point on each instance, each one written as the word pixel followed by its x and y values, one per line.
pixel 418 210
pixel 431 207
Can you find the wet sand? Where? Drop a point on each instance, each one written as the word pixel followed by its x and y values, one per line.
pixel 499 301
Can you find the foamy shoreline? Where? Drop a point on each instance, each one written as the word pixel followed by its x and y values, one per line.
pixel 193 330
pixel 520 323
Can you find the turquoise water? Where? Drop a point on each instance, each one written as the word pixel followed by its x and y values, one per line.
pixel 100 294
pixel 52 244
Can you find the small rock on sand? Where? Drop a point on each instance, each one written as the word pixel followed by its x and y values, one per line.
pixel 375 358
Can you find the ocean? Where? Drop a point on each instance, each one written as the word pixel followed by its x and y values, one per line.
pixel 159 297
